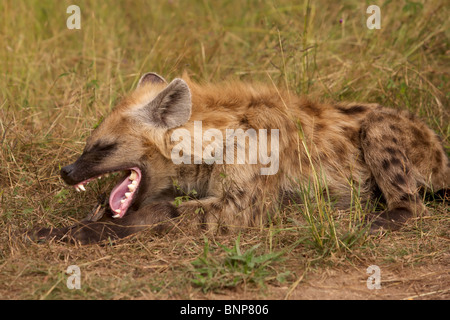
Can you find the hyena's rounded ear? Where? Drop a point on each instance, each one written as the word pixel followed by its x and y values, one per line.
pixel 151 78
pixel 170 108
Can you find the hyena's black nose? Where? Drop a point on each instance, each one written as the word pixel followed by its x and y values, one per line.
pixel 65 173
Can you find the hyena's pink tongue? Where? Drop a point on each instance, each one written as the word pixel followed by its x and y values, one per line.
pixel 123 193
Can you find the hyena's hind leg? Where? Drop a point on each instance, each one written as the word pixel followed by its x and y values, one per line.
pixel 403 155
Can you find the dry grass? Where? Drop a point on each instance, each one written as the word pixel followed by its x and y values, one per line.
pixel 57 83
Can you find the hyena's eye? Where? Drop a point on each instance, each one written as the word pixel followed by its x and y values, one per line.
pixel 98 152
pixel 102 147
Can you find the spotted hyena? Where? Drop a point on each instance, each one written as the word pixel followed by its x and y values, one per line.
pixel 344 145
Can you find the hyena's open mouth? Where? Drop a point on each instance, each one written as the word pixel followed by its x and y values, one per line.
pixel 123 193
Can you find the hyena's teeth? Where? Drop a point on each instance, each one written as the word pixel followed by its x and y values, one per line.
pixel 117 211
pixel 122 201
pixel 76 188
pixel 134 183
pixel 127 194
pixel 116 216
pixel 81 187
pixel 131 187
pixel 133 175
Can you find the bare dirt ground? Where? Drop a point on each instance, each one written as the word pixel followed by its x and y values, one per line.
pixel 421 283
pixel 430 282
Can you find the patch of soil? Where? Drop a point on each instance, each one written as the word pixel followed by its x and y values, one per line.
pixel 425 283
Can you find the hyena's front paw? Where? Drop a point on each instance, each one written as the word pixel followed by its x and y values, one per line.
pixel 94 232
pixel 82 233
pixel 389 220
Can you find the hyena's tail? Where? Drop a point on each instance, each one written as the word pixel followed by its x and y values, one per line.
pixel 443 194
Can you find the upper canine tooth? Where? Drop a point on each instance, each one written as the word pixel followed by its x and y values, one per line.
pixel 133 175
pixel 81 187
pixel 116 216
pixel 76 188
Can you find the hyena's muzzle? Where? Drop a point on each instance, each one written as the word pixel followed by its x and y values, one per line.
pixel 82 171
